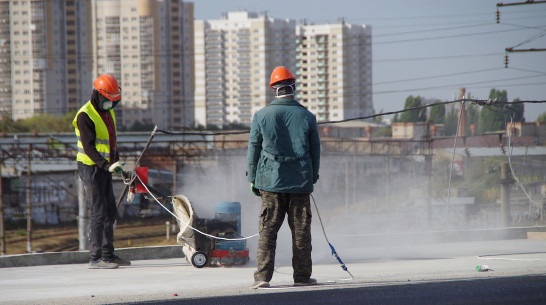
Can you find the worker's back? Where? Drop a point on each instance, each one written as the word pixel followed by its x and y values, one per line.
pixel 285 146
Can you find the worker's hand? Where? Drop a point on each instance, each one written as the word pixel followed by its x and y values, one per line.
pixel 116 168
pixel 254 190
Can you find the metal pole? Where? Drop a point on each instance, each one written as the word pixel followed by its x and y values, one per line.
pixel 428 186
pixel 428 175
pixel 346 186
pixel 506 181
pixel 29 202
pixel 83 219
pixel 2 224
pixel 387 178
pixel 137 163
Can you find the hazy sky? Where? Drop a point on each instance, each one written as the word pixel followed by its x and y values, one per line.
pixel 430 48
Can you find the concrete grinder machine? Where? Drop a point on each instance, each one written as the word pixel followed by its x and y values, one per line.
pixel 217 241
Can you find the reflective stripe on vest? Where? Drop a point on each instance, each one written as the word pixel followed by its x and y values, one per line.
pixel 102 140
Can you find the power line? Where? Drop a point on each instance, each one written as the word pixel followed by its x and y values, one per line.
pixel 484 103
pixel 454 85
pixel 435 30
pixel 446 36
pixel 435 57
pixel 436 76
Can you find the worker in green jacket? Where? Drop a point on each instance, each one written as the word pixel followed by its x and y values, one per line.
pixel 282 165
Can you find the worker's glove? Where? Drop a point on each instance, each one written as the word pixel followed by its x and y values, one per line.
pixel 116 168
pixel 254 190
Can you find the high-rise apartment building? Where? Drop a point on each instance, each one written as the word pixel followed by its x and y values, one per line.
pixel 234 58
pixel 42 67
pixel 51 51
pixel 147 46
pixel 5 60
pixel 334 70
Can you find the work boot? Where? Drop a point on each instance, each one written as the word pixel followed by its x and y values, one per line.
pixel 118 260
pixel 102 264
pixel 309 282
pixel 259 284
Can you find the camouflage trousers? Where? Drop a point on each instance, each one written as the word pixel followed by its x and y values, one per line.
pixel 298 209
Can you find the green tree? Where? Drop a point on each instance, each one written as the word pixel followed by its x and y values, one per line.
pixel 378 118
pixel 418 115
pixel 437 113
pixel 492 118
pixel 451 120
pixel 40 123
pixel 516 110
pixel 50 123
pixel 9 125
pixel 541 117
pixel 382 132
pixel 473 113
pixel 139 126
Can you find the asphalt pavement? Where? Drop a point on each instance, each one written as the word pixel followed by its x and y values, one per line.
pixel 440 273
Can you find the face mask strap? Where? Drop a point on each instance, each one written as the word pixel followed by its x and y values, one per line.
pixel 284 95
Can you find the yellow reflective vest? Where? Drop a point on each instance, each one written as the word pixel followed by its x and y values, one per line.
pixel 102 140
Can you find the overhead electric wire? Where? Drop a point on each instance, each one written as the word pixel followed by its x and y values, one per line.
pixel 437 76
pixel 443 17
pixel 537 202
pixel 534 37
pixel 435 57
pixel 446 36
pixel 479 102
pixel 437 30
pixel 458 85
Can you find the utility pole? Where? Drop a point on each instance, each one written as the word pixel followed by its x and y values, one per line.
pixel 2 224
pixel 83 218
pixel 428 175
pixel 346 186
pixel 511 49
pixel 506 180
pixel 29 202
pixel 387 177
pixel 461 132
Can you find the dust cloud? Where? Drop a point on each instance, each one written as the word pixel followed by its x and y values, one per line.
pixel 372 207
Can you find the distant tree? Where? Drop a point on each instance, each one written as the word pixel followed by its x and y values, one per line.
pixel 418 115
pixel 8 125
pixel 492 118
pixel 140 126
pixel 541 117
pixel 516 110
pixel 40 123
pixel 379 118
pixel 50 123
pixel 450 121
pixel 437 113
pixel 232 126
pixel 395 119
pixel 473 113
pixel 382 132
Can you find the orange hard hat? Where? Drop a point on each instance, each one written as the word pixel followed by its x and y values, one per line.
pixel 108 86
pixel 279 74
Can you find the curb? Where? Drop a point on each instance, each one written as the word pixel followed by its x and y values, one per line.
pixel 82 257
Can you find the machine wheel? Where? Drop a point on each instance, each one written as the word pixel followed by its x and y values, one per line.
pixel 199 259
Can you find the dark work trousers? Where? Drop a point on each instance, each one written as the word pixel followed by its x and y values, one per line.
pixel 100 197
pixel 298 209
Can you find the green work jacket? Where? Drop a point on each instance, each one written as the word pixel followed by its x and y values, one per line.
pixel 283 148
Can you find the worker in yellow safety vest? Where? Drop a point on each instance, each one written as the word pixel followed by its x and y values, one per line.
pixel 97 158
